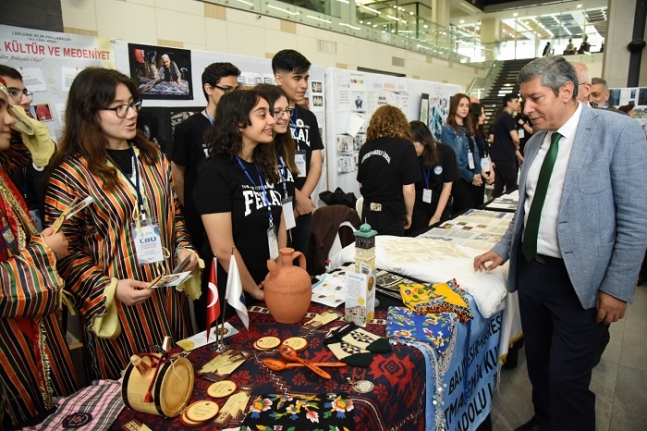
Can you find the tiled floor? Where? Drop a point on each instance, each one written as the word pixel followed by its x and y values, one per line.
pixel 619 381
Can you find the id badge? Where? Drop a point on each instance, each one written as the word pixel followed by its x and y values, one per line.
pixel 35 217
pixel 300 159
pixel 426 196
pixel 273 243
pixel 485 164
pixel 522 133
pixel 148 242
pixel 470 160
pixel 288 213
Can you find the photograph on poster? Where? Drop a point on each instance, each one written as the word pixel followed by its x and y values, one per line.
pixel 42 112
pixel 358 102
pixel 642 96
pixel 161 72
pixel 316 86
pixel 151 122
pixel 317 100
pixel 178 115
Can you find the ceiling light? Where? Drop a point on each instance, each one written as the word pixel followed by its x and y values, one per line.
pixel 372 10
pixel 316 18
pixel 579 5
pixel 349 26
pixel 515 14
pixel 462 21
pixel 411 13
pixel 425 26
pixel 246 2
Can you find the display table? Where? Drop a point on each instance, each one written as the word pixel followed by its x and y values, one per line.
pixel 399 401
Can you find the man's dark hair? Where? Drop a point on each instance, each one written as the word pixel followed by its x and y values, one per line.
pixel 10 72
pixel 509 98
pixel 215 72
pixel 289 60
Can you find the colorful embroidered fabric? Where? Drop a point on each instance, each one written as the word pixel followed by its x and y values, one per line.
pixel 437 330
pixel 301 412
pixel 438 298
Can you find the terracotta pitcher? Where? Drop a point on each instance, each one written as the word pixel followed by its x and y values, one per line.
pixel 287 287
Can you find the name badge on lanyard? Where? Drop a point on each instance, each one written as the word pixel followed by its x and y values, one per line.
pixel 426 192
pixel 300 159
pixel 470 159
pixel 144 230
pixel 522 133
pixel 288 213
pixel 485 164
pixel 272 242
pixel 148 241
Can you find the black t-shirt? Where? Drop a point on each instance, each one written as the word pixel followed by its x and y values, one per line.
pixel 305 131
pixel 189 150
pixel 503 148
pixel 385 165
pixel 286 183
pixel 445 172
pixel 224 187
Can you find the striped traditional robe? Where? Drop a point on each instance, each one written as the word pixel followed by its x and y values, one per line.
pixel 35 364
pixel 101 248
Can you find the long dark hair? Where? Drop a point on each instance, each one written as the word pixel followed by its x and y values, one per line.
pixel 95 89
pixel 421 133
pixel 451 118
pixel 224 137
pixel 475 112
pixel 284 143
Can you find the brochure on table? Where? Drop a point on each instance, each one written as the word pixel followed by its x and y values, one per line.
pixel 353 97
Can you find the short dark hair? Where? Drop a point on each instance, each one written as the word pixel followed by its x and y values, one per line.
pixel 10 72
pixel 509 98
pixel 289 60
pixel 213 73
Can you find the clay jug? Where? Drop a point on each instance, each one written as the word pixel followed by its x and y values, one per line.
pixel 287 287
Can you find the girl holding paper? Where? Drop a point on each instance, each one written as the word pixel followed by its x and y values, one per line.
pixel 132 233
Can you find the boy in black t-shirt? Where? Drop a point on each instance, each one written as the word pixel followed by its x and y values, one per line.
pixel 189 152
pixel 291 74
pixel 189 148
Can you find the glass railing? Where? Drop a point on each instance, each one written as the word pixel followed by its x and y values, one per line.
pixel 399 26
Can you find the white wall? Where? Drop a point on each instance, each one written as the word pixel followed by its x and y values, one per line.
pixel 192 24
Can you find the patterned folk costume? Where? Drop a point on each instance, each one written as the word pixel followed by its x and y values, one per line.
pixel 102 252
pixel 35 364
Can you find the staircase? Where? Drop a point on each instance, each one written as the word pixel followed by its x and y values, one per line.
pixel 504 82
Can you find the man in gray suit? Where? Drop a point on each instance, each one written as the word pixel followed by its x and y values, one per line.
pixel 576 242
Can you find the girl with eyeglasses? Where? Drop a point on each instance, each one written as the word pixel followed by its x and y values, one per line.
pixel 130 234
pixel 35 364
pixel 285 148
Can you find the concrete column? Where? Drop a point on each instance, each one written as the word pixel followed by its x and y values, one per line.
pixel 440 12
pixel 620 26
pixel 490 30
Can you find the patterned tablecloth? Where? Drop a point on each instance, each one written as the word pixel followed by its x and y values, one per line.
pixel 396 403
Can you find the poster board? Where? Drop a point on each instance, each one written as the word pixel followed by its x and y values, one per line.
pixel 352 97
pixel 49 62
pixel 633 95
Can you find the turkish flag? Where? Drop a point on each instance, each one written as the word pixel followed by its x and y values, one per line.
pixel 213 300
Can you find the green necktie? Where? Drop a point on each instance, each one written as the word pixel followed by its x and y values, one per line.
pixel 529 246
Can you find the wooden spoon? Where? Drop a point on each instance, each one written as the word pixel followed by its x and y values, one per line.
pixel 278 365
pixel 290 354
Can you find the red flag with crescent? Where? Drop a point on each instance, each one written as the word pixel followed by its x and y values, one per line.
pixel 213 300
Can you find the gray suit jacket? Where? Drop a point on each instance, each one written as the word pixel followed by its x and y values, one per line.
pixel 602 219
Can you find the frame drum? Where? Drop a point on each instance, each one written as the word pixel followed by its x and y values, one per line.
pixel 170 392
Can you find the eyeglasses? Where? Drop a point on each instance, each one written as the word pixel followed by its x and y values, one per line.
pixel 122 110
pixel 225 90
pixel 17 94
pixel 280 112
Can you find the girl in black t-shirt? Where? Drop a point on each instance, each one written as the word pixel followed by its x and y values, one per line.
pixel 483 147
pixel 236 193
pixel 439 170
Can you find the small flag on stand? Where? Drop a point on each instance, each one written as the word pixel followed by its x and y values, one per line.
pixel 213 300
pixel 235 295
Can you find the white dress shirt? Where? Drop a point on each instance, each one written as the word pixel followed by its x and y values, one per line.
pixel 547 243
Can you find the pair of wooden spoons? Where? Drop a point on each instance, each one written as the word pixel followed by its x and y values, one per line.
pixel 290 354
